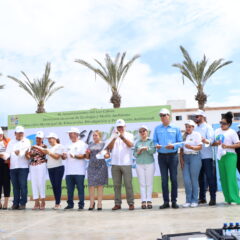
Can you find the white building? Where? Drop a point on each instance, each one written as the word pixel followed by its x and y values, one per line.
pixel 180 114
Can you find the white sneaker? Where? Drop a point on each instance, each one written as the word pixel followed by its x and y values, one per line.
pixel 194 205
pixel 186 205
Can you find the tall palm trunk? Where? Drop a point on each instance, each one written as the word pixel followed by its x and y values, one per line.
pixel 115 99
pixel 201 98
pixel 40 108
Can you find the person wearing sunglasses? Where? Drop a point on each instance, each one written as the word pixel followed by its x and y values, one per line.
pixel 145 166
pixel 167 139
pixel 227 141
pixel 191 163
pixel 208 167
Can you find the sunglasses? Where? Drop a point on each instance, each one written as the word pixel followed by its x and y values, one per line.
pixel 223 123
pixel 142 131
pixel 163 115
pixel 197 116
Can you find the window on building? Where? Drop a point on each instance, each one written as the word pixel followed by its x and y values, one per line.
pixel 178 118
pixel 191 117
pixel 236 116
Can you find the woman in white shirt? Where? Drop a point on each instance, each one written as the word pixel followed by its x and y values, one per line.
pixel 55 166
pixel 227 141
pixel 191 163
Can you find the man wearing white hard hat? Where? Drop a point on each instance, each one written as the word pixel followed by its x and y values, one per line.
pixel 38 171
pixel 191 163
pixel 75 168
pixel 208 168
pixel 167 139
pixel 19 167
pixel 121 153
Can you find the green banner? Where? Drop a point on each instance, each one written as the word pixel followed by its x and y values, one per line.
pixel 86 117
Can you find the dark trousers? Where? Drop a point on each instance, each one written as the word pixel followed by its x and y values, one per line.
pixel 19 181
pixel 208 171
pixel 72 181
pixel 56 176
pixel 168 162
pixel 5 180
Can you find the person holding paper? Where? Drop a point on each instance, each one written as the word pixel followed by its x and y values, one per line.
pixel 97 169
pixel 4 171
pixel 38 171
pixel 55 166
pixel 191 163
pixel 121 153
pixel 167 139
pixel 75 168
pixel 208 167
pixel 19 167
pixel 227 141
pixel 145 166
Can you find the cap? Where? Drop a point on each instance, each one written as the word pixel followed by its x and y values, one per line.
pixel 143 127
pixel 74 130
pixel 190 122
pixel 1 131
pixel 19 129
pixel 52 135
pixel 200 113
pixel 40 134
pixel 120 123
pixel 164 111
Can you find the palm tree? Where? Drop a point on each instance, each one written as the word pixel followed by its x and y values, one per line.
pixel 113 73
pixel 1 86
pixel 40 89
pixel 199 73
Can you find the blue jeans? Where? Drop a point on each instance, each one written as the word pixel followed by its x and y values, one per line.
pixel 191 170
pixel 19 181
pixel 169 162
pixel 72 181
pixel 208 171
pixel 56 176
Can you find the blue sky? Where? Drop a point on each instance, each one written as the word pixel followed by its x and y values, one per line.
pixel 34 32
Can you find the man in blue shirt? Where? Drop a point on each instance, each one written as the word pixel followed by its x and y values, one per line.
pixel 208 169
pixel 168 139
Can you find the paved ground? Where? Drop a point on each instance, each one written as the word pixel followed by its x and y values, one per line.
pixel 123 224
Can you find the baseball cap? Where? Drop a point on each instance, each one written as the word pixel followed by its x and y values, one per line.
pixel 74 130
pixel 52 135
pixel 164 111
pixel 40 134
pixel 143 127
pixel 19 129
pixel 190 122
pixel 200 113
pixel 120 123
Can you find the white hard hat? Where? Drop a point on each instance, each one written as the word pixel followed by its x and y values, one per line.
pixel 19 129
pixel 143 127
pixel 40 134
pixel 1 131
pixel 164 111
pixel 74 130
pixel 120 123
pixel 52 135
pixel 190 122
pixel 200 112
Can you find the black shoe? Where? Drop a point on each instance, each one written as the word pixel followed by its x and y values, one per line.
pixel 212 202
pixel 15 207
pixel 68 207
pixel 175 205
pixel 80 208
pixel 99 209
pixel 22 207
pixel 165 205
pixel 91 208
pixel 202 201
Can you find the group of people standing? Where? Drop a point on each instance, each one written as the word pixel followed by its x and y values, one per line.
pixel 193 149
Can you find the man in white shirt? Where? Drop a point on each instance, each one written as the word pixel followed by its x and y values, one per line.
pixel 75 168
pixel 19 167
pixel 121 155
